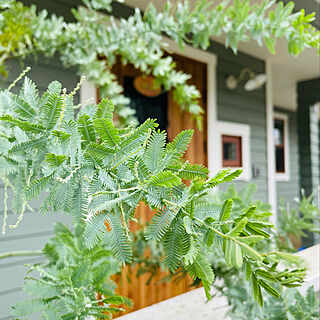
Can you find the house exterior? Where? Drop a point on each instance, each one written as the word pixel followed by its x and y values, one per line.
pixel 271 132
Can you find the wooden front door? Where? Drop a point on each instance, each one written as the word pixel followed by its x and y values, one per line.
pixel 173 120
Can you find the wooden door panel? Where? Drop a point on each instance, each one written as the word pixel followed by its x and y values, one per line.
pixel 178 121
pixel 142 294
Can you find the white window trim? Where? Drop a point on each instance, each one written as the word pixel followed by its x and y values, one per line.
pixel 239 130
pixel 285 176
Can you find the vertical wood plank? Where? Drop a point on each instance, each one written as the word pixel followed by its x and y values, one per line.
pixel 142 294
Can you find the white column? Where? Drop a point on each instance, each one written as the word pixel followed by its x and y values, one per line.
pixel 88 91
pixel 272 187
pixel 212 106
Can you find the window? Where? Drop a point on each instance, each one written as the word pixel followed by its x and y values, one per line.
pixel 280 138
pixel 231 151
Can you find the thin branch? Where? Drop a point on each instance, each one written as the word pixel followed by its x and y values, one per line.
pixel 19 253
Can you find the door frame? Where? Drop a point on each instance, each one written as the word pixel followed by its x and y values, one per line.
pixel 210 59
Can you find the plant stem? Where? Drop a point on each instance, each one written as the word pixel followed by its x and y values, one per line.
pixel 21 253
pixel 215 230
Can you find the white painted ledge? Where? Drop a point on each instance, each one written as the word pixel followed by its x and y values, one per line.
pixel 312 259
pixel 188 306
pixel 193 305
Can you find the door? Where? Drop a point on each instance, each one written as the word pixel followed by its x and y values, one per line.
pixel 173 120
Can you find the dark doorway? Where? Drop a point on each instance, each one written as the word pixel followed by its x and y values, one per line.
pixel 147 107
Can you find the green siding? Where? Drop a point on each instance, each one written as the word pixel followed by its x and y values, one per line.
pixel 244 107
pixel 289 190
pixel 34 230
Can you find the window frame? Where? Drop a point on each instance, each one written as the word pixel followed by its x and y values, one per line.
pixel 283 176
pixel 224 128
pixel 238 142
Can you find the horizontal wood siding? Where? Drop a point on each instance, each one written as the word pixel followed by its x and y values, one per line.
pixel 34 230
pixel 245 107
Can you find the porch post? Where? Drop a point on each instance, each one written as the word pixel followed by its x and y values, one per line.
pixel 272 192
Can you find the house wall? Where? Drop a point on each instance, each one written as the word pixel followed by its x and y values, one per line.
pixel 244 107
pixel 235 106
pixel 34 230
pixel 290 189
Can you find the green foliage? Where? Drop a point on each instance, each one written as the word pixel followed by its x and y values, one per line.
pixel 74 282
pixel 305 217
pixel 139 39
pixel 291 305
pixel 101 181
pixel 286 304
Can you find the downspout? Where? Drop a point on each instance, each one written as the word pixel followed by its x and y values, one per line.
pixel 272 191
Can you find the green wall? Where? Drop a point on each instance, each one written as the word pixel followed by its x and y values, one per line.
pixel 244 107
pixel 34 230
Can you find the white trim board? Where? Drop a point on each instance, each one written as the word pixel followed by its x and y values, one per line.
pixel 285 176
pixel 234 129
pixel 272 191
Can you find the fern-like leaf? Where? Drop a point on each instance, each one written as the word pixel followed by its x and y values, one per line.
pixel 12 102
pixel 80 204
pixel 51 111
pixel 27 307
pixel 104 109
pixel 191 171
pixel 29 92
pixel 120 241
pixel 172 247
pixel 22 124
pixel 155 150
pixel 107 132
pixel 138 166
pixel 95 229
pixel 164 179
pixel 201 269
pixel 224 176
pixel 160 223
pixel 7 166
pixel 193 251
pixel 55 160
pixel 104 201
pixel 86 128
pixel 207 209
pixel 33 190
pixel 28 146
pixel 99 151
pixel 176 149
pixel 40 289
pixel 133 142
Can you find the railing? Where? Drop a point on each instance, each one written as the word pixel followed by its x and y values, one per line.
pixel 192 305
